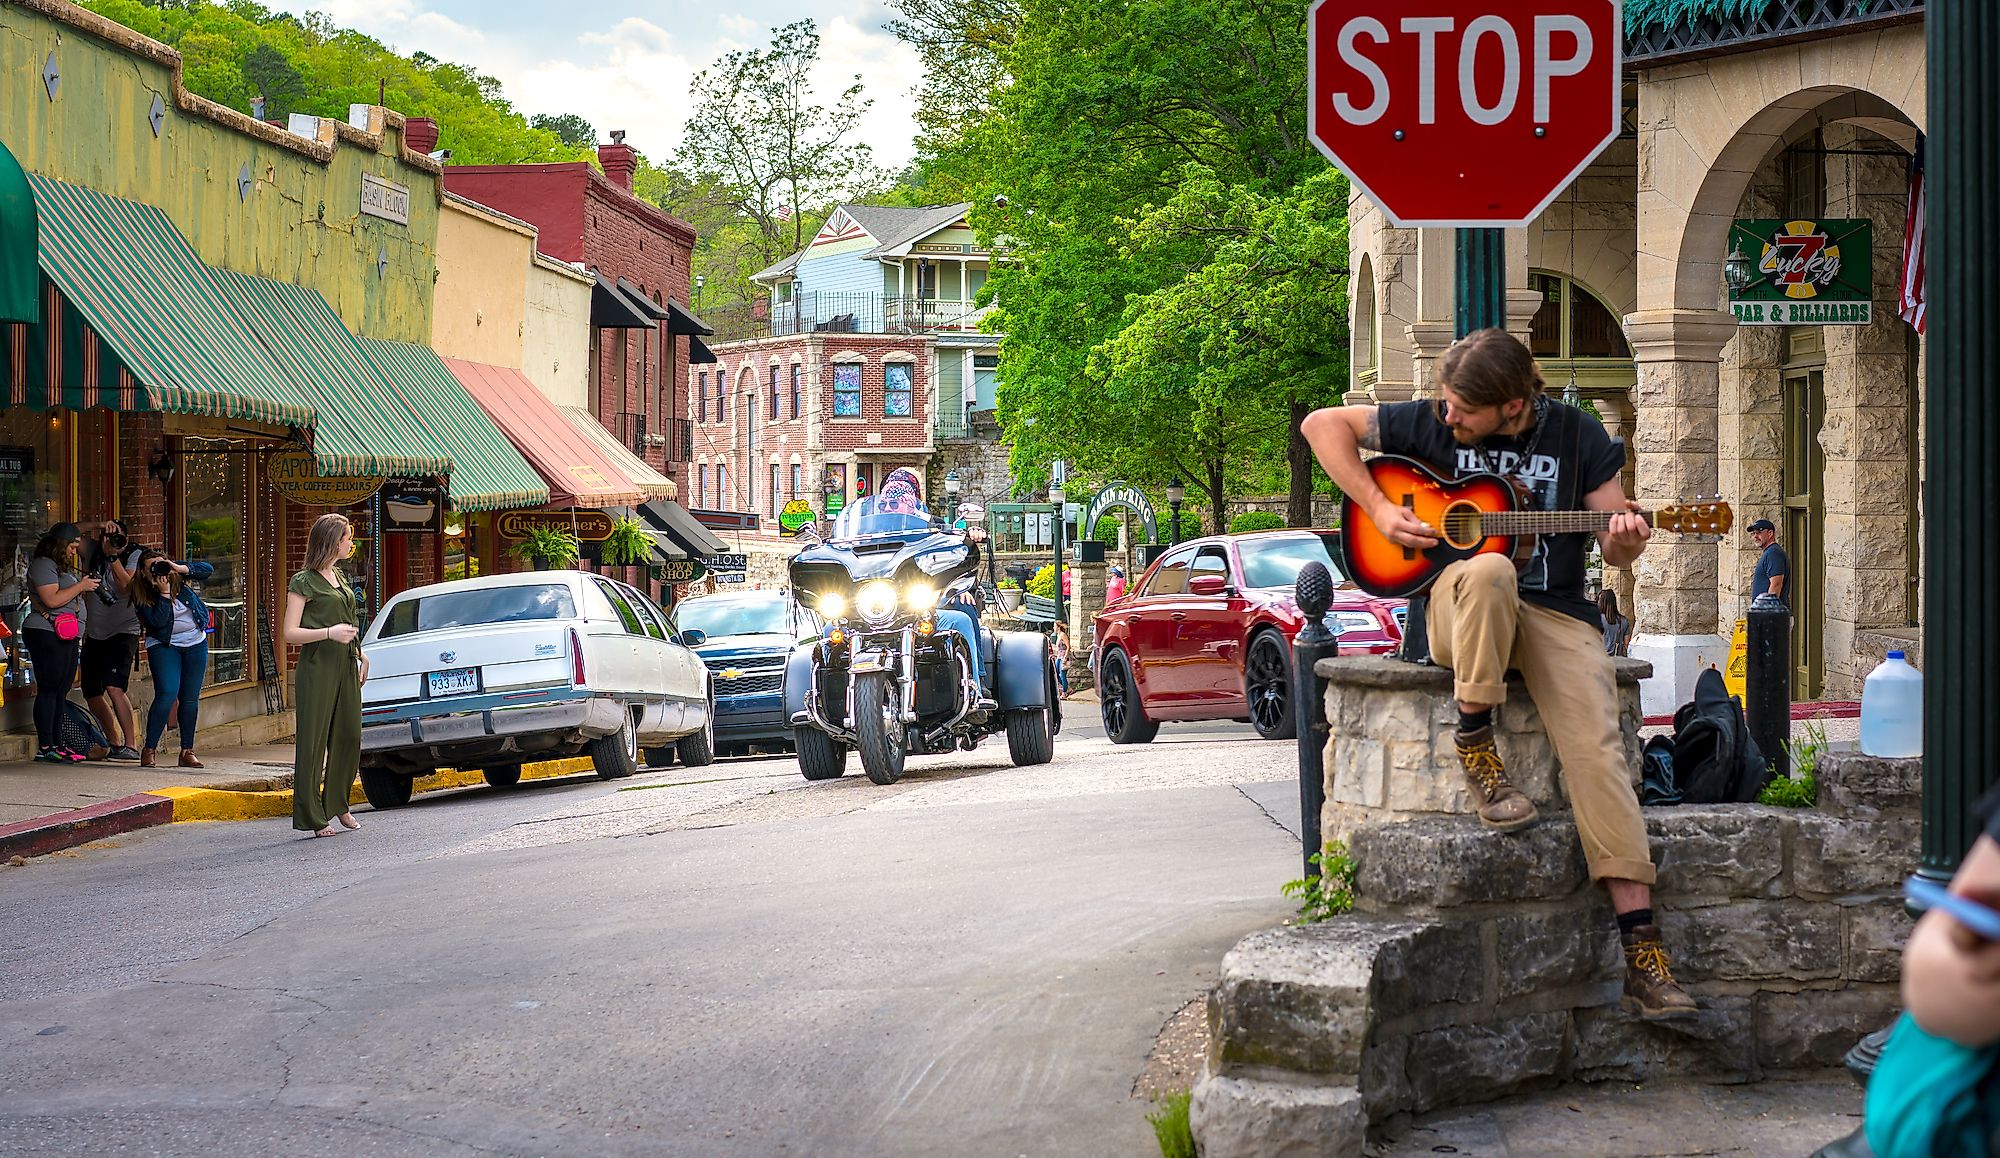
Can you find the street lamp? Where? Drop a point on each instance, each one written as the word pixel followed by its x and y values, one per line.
pixel 699 281
pixel 1056 497
pixel 1736 268
pixel 951 485
pixel 1176 491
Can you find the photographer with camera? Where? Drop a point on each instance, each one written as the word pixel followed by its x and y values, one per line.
pixel 177 626
pixel 111 637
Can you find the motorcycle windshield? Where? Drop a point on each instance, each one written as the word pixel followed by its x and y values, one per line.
pixel 872 518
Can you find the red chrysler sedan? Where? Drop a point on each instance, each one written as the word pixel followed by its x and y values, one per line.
pixel 1206 633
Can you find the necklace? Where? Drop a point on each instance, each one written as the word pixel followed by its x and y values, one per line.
pixel 1534 438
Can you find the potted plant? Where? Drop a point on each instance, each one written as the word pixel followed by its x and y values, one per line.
pixel 1009 593
pixel 547 549
pixel 628 543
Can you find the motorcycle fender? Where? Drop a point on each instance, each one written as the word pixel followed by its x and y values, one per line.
pixel 1021 679
pixel 798 678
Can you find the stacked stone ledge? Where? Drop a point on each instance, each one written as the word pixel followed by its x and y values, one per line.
pixel 1479 964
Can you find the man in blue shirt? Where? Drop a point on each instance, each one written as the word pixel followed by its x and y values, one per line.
pixel 1773 575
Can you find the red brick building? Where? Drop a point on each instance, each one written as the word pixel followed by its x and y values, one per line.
pixel 642 256
pixel 808 415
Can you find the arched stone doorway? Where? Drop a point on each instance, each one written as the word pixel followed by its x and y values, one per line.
pixel 1712 400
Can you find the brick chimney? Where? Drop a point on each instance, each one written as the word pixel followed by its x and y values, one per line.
pixel 618 160
pixel 420 135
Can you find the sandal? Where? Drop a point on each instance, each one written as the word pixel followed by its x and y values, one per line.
pixel 347 821
pixel 329 830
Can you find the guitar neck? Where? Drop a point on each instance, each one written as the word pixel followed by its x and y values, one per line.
pixel 1548 522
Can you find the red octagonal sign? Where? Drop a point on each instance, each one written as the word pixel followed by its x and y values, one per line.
pixel 1471 113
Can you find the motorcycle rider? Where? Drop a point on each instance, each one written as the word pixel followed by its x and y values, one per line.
pixel 958 612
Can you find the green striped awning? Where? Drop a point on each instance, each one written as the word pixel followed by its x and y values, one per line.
pixel 135 278
pixel 488 474
pixel 18 281
pixel 362 427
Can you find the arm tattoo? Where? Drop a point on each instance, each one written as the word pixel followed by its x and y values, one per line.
pixel 1371 438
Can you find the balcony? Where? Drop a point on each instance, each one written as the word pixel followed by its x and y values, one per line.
pixel 1778 22
pixel 846 313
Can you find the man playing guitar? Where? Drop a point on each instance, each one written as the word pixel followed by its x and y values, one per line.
pixel 1486 617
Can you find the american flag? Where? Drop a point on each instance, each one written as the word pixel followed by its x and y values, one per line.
pixel 1910 285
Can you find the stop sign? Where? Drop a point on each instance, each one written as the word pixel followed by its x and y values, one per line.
pixel 1471 113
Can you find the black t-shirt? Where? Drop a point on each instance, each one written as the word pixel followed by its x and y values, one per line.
pixel 1571 457
pixel 1772 562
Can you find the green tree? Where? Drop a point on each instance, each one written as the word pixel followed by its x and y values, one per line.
pixel 762 144
pixel 961 45
pixel 270 75
pixel 569 127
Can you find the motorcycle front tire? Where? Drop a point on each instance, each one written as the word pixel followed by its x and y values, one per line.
pixel 878 734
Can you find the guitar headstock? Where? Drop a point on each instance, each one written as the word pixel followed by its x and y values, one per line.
pixel 1703 517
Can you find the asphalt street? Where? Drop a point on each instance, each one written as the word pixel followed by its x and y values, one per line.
pixel 714 961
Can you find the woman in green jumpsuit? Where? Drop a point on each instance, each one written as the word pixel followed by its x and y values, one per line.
pixel 321 617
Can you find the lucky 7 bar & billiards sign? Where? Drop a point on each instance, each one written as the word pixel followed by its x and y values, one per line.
pixel 1804 273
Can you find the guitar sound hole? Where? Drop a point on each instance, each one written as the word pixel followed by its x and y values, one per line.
pixel 1460 525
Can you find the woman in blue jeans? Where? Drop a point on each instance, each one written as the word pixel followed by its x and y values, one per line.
pixel 176 625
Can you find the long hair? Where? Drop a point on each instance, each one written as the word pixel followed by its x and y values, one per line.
pixel 145 592
pixel 1607 605
pixel 327 531
pixel 1489 367
pixel 54 543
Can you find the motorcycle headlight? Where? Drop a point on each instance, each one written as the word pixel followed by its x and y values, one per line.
pixel 920 597
pixel 876 601
pixel 832 604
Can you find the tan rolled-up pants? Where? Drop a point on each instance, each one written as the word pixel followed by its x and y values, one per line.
pixel 1479 627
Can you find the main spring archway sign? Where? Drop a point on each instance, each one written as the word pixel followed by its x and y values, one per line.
pixel 1113 497
pixel 1464 113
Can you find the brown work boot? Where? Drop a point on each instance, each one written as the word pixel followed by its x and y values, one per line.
pixel 1650 988
pixel 1502 807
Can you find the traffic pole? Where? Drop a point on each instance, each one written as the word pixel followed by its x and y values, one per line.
pixel 1314 595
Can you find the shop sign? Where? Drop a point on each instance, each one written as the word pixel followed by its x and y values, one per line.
pixel 413 506
pixel 798 514
pixel 1805 273
pixel 385 199
pixel 295 475
pixel 732 562
pixel 729 576
pixel 16 463
pixel 679 570
pixel 587 526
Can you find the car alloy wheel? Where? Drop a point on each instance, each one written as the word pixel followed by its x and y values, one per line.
pixel 1267 686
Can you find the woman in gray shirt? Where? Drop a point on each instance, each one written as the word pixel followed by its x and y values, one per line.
pixel 54 623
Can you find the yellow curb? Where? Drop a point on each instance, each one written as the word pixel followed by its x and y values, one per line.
pixel 221 804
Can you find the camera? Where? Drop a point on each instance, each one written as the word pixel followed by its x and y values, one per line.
pixel 161 567
pixel 116 540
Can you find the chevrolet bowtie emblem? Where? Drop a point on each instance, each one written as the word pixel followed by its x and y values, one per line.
pixel 731 673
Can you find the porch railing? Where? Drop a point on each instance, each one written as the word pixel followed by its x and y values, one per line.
pixel 1779 22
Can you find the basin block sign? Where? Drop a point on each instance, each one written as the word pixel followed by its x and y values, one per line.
pixel 1463 113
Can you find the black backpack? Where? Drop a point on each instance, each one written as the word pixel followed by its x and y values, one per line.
pixel 1714 759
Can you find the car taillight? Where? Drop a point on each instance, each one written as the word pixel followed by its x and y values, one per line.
pixel 576 659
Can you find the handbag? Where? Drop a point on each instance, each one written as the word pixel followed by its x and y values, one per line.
pixel 67 625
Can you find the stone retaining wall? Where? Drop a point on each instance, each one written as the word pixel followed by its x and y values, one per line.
pixel 1477 964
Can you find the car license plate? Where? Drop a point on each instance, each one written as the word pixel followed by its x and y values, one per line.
pixel 454 683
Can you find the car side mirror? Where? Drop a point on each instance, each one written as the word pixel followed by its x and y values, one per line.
pixel 693 637
pixel 1207 585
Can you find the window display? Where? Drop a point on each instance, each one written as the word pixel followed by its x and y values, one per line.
pixel 31 456
pixel 215 504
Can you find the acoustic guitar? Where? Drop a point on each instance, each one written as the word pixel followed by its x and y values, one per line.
pixel 1475 515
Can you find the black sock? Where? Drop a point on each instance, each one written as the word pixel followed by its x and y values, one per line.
pixel 1473 721
pixel 1632 920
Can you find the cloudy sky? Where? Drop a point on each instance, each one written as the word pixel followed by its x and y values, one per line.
pixel 621 64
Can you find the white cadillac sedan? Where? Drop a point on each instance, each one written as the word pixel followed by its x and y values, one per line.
pixel 487 673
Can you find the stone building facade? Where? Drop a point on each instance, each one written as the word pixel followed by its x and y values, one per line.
pixel 1619 287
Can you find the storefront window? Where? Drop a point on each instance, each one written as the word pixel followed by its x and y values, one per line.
pixel 31 460
pixel 215 490
pixel 97 465
pixel 461 551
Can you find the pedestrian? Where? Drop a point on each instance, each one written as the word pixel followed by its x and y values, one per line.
pixel 1487 617
pixel 1773 573
pixel 177 624
pixel 1932 1094
pixel 1617 628
pixel 111 638
pixel 321 616
pixel 1114 587
pixel 51 629
pixel 1059 637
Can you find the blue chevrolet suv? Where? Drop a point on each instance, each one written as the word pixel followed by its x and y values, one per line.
pixel 749 639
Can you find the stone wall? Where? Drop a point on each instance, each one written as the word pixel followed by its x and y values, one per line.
pixel 1477 964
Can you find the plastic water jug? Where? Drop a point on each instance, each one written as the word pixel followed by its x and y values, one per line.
pixel 1892 709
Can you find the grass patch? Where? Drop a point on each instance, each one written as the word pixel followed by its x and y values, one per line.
pixel 1801 790
pixel 1170 1126
pixel 1328 892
